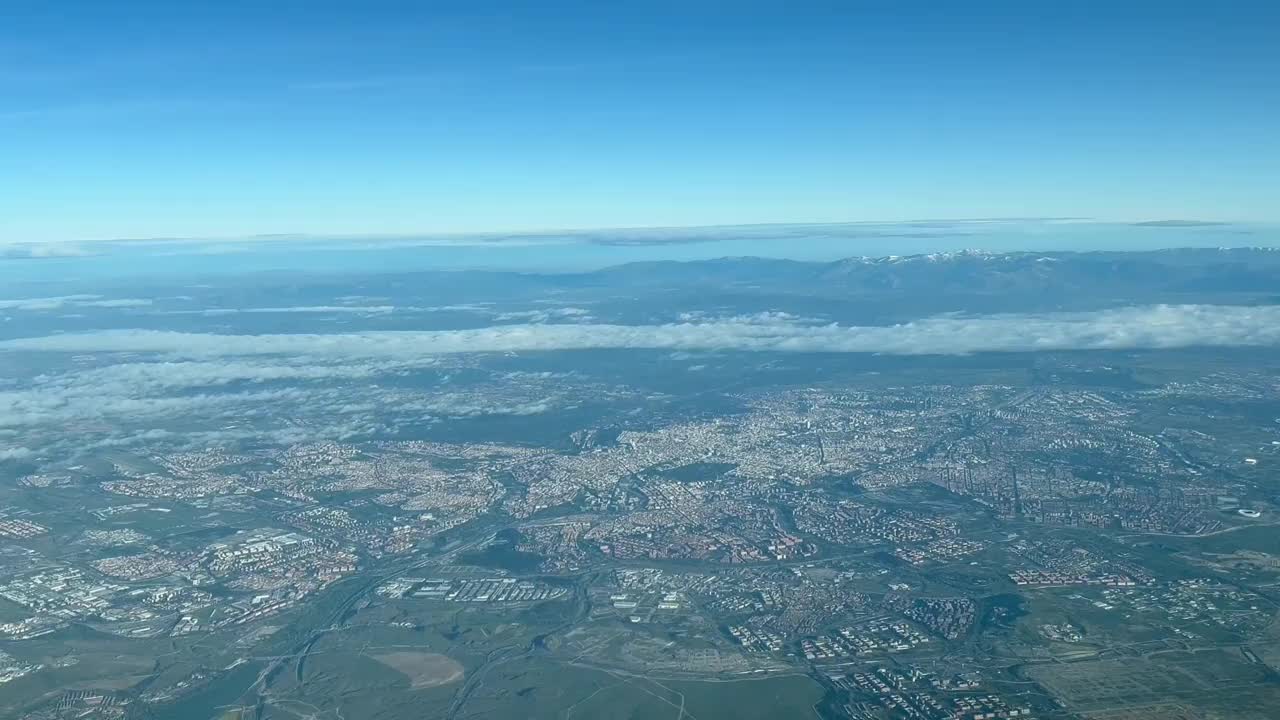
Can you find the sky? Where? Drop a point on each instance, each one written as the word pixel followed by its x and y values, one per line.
pixel 234 119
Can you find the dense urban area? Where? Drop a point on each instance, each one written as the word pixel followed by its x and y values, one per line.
pixel 1055 534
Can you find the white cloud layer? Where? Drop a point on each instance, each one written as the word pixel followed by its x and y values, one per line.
pixel 319 309
pixel 1146 327
pixel 215 401
pixel 45 303
pixel 206 388
pixel 64 301
pixel 145 391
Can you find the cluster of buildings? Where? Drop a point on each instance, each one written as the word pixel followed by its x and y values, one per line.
pixel 950 618
pixel 12 668
pixel 1186 604
pixel 140 566
pixel 1048 578
pixel 886 692
pixel 1059 563
pixel 849 522
pixel 20 529
pixel 64 593
pixel 774 498
pixel 881 635
pixel 942 550
pixel 58 596
pixel 154 591
pixel 757 640
pixel 473 590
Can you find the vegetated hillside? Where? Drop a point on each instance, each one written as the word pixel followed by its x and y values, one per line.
pixel 977 272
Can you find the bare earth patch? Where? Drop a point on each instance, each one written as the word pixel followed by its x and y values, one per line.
pixel 424 670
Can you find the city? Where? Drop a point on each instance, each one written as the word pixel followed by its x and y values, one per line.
pixel 886 542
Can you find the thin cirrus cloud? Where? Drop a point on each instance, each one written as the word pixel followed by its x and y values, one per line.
pixel 233 400
pixel 65 301
pixel 46 303
pixel 142 391
pixel 40 251
pixel 1141 327
pixel 118 303
pixel 317 309
pixel 373 310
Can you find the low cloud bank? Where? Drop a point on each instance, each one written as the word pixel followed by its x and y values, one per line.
pixel 1145 327
pixel 71 301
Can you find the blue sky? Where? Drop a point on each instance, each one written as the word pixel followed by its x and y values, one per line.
pixel 139 119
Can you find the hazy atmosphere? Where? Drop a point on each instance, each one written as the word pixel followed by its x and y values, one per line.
pixel 652 361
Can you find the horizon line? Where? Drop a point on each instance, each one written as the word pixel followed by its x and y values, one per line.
pixel 497 235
